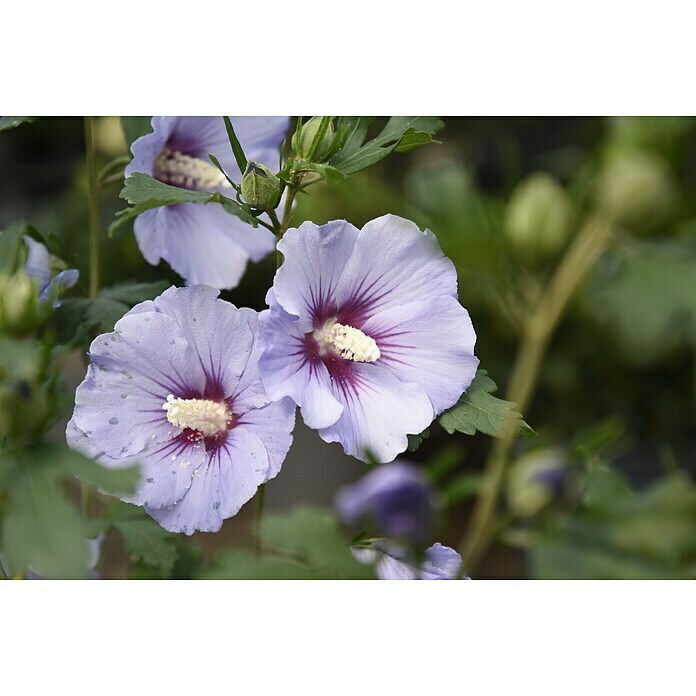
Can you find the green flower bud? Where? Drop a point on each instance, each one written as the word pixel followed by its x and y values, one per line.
pixel 260 187
pixel 635 188
pixel 539 218
pixel 303 145
pixel 536 480
pixel 20 310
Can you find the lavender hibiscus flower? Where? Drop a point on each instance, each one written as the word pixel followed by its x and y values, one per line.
pixel 38 268
pixel 365 333
pixel 391 562
pixel 176 388
pixel 395 498
pixel 202 242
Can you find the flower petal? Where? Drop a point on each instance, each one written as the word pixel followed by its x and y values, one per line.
pixel 392 263
pixel 305 285
pixel 219 487
pixel 287 370
pixel 429 343
pixel 119 405
pixel 201 243
pixel 220 334
pixel 378 412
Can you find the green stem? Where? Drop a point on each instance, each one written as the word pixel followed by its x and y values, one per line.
pixel 581 256
pixel 285 222
pixel 93 208
pixel 258 515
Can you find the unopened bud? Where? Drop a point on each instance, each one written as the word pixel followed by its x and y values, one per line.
pixel 635 188
pixel 539 218
pixel 303 145
pixel 536 480
pixel 20 310
pixel 260 187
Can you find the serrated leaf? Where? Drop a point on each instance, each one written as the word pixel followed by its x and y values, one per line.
pixel 143 193
pixel 479 411
pixel 41 530
pixel 406 131
pixel 7 122
pixel 242 565
pixel 146 541
pixel 415 441
pixel 313 538
pixel 135 126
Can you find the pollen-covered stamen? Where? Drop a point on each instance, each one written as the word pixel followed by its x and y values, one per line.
pixel 175 168
pixel 350 343
pixel 205 416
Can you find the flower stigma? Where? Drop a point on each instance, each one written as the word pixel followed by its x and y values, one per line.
pixel 177 169
pixel 350 343
pixel 205 416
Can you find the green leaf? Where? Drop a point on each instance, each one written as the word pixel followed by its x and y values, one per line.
pixel 619 533
pixel 110 481
pixel 113 302
pixel 7 122
pixel 478 410
pixel 645 295
pixel 12 250
pixel 41 530
pixel 463 487
pixel 331 175
pixel 131 294
pixel 413 139
pixel 20 359
pixel 237 149
pixel 242 565
pixel 143 193
pixel 415 441
pixel 314 538
pixel 405 132
pixel 146 541
pixel 135 126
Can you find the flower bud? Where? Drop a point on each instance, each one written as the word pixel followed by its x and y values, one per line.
pixel 303 145
pixel 536 480
pixel 635 188
pixel 260 187
pixel 394 498
pixel 20 310
pixel 539 218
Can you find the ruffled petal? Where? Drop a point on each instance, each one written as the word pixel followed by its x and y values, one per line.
pixel 273 425
pixel 219 487
pixel 221 335
pixel 392 263
pixel 132 370
pixel 286 369
pixel 429 343
pixel 305 285
pixel 379 412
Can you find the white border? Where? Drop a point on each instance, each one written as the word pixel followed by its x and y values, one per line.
pixel 333 638
pixel 501 57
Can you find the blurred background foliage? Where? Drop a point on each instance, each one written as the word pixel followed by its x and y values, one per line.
pixel 605 489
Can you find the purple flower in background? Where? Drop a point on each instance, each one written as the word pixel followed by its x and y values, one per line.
pixel 365 333
pixel 202 242
pixel 176 388
pixel 38 268
pixel 394 497
pixel 391 562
